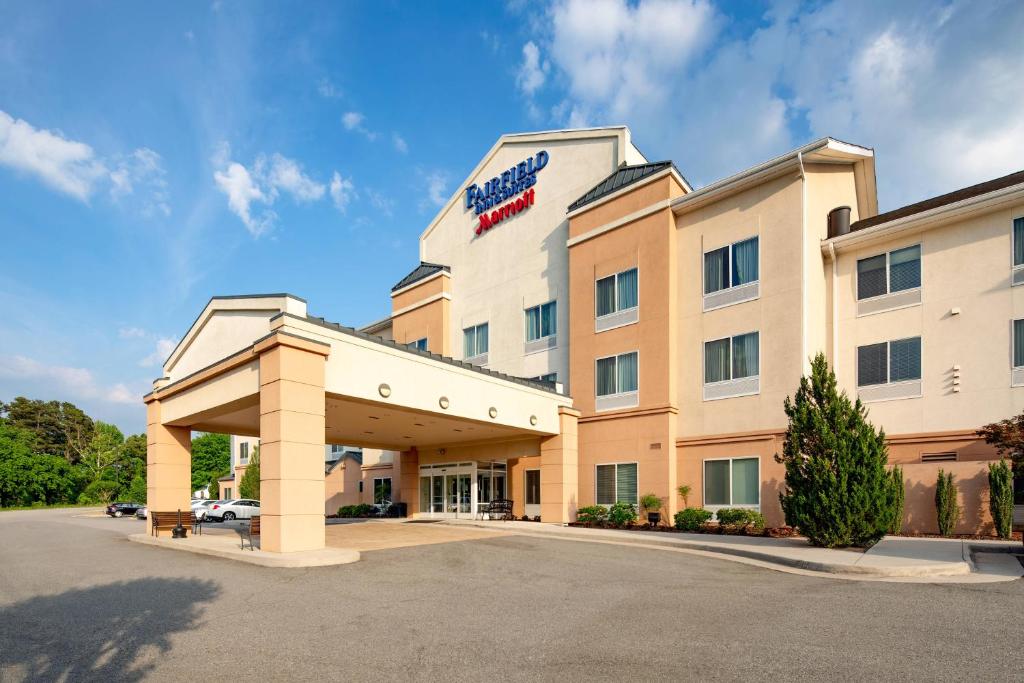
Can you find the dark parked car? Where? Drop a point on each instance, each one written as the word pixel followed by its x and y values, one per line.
pixel 122 509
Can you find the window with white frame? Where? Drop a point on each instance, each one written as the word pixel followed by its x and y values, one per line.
pixel 617 483
pixel 889 362
pixel 617 292
pixel 475 341
pixel 533 487
pixel 381 490
pixel 550 377
pixel 732 358
pixel 732 482
pixel 734 265
pixel 888 273
pixel 617 374
pixel 1018 344
pixel 540 321
pixel 243 454
pixel 419 344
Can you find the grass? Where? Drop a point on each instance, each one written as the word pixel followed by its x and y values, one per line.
pixel 55 506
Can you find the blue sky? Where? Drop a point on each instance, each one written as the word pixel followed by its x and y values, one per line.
pixel 153 155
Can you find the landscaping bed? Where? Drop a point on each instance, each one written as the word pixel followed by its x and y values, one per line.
pixel 729 521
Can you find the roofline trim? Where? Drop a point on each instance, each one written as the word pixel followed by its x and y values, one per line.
pixel 671 170
pixel 619 222
pixel 419 282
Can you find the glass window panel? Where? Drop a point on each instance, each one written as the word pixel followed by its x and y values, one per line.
pixel 533 323
pixel 627 372
pixel 746 483
pixel 905 268
pixel 1018 343
pixel 1018 241
pixel 381 491
pixel 606 484
pixel 625 483
pixel 745 355
pixel 499 486
pixel 469 342
pixel 744 262
pixel 872 365
pixel 871 277
pixel 606 295
pixel 716 482
pixel 547 319
pixel 605 376
pixel 627 289
pixel 533 487
pixel 905 359
pixel 424 494
pixel 716 275
pixel 716 361
pixel 481 339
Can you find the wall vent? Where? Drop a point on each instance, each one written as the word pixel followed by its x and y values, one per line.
pixel 938 457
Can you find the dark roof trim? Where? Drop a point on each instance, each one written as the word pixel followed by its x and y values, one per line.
pixel 622 177
pixel 420 272
pixel 543 386
pixel 942 200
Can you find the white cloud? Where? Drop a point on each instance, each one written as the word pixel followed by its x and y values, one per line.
pixel 141 173
pixel 353 121
pixel 399 142
pixel 132 333
pixel 72 382
pixel 327 89
pixel 242 190
pixel 164 347
pixel 287 175
pixel 437 184
pixel 381 202
pixel 342 191
pixel 532 72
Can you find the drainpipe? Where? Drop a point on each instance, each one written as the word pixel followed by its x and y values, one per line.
pixel 803 265
pixel 835 308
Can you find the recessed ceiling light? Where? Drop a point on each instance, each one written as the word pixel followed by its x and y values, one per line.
pixel 373 417
pixel 367 432
pixel 406 437
pixel 457 430
pixel 417 424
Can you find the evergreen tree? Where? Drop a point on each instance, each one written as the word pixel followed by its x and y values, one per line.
pixel 898 499
pixel 137 490
pixel 838 489
pixel 947 508
pixel 1000 497
pixel 249 487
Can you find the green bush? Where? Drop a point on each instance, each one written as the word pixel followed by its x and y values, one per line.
pixel 100 491
pixel 898 498
pixel 946 506
pixel 691 519
pixel 360 510
pixel 740 517
pixel 592 514
pixel 838 488
pixel 622 514
pixel 1000 497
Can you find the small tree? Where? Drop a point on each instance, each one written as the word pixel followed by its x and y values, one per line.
pixel 1008 438
pixel 249 487
pixel 838 488
pixel 137 490
pixel 946 506
pixel 1000 497
pixel 898 499
pixel 684 493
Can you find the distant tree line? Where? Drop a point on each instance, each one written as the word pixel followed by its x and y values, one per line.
pixel 52 453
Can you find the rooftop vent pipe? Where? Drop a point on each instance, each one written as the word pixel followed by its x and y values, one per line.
pixel 839 221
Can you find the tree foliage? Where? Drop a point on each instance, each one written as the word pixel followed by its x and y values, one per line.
pixel 839 491
pixel 1008 438
pixel 249 487
pixel 947 508
pixel 58 428
pixel 30 478
pixel 211 456
pixel 1000 497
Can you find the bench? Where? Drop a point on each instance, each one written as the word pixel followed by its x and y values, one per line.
pixel 252 530
pixel 500 508
pixel 169 520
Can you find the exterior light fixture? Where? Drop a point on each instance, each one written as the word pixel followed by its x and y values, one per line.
pixel 533 419
pixel 385 390
pixel 443 402
pixel 493 412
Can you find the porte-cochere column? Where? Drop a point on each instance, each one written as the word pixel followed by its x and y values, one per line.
pixel 559 463
pixel 292 421
pixel 168 466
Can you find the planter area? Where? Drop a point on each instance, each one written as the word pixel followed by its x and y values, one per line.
pixel 730 521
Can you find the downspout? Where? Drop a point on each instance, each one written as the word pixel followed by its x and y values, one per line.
pixel 805 363
pixel 835 308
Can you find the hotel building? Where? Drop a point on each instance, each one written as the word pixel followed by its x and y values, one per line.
pixel 584 327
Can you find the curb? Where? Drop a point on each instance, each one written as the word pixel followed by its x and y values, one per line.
pixel 328 557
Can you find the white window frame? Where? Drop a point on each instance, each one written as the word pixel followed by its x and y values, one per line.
pixel 620 317
pixel 543 343
pixel 391 486
pixel 889 390
pixel 619 399
pixel 616 465
pixel 243 453
pixel 748 291
pixel 1016 270
pixel 526 486
pixel 480 358
pixel 744 386
pixel 415 345
pixel 703 482
pixel 890 300
pixel 1016 371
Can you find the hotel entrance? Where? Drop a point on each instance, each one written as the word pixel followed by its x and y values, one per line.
pixel 457 490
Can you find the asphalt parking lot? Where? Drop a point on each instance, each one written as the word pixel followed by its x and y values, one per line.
pixel 78 601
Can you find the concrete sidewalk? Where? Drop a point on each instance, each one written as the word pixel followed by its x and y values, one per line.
pixel 893 558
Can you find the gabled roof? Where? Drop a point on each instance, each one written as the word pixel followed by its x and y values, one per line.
pixel 622 176
pixel 420 272
pixel 941 200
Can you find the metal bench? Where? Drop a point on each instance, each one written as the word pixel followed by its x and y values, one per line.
pixel 169 520
pixel 500 508
pixel 249 531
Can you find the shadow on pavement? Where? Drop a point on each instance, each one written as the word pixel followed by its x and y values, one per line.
pixel 98 633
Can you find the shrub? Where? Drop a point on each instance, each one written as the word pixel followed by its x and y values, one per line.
pixel 898 496
pixel 650 502
pixel 249 487
pixel 740 517
pixel 684 493
pixel 622 514
pixel 592 514
pixel 691 519
pixel 1000 497
pixel 838 488
pixel 946 506
pixel 360 510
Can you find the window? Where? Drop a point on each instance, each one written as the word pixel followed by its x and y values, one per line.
pixel 475 341
pixel 732 482
pixel 418 345
pixel 540 321
pixel 887 362
pixel 243 454
pixel 616 483
pixel 731 266
pixel 533 487
pixel 617 292
pixel 732 358
pixel 1018 343
pixel 894 271
pixel 360 487
pixel 550 377
pixel 617 374
pixel 381 491
pixel 1018 242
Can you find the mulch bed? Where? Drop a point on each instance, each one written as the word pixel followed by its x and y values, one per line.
pixel 710 529
pixel 1015 536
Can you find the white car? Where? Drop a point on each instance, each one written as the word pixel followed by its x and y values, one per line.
pixel 201 508
pixel 225 511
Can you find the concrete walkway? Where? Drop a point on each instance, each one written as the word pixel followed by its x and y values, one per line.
pixel 893 558
pixel 227 546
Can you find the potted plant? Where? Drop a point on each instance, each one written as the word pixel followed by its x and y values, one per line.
pixel 651 504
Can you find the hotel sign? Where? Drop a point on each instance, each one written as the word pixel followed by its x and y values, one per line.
pixel 514 187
